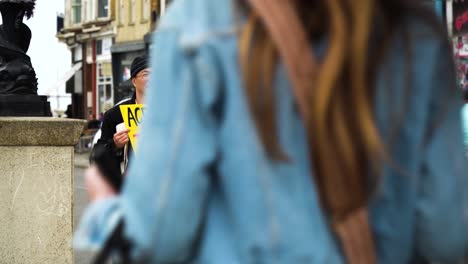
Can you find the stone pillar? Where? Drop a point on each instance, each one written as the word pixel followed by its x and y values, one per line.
pixel 36 189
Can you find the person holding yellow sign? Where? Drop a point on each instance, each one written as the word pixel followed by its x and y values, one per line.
pixel 120 123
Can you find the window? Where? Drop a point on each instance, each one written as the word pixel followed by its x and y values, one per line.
pixel 73 55
pixel 99 47
pixel 121 12
pixel 105 98
pixel 89 52
pixel 145 10
pixel 87 10
pixel 76 11
pixel 103 48
pixel 131 11
pixel 77 54
pixel 103 8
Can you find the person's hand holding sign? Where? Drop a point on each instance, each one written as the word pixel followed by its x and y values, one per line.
pixel 121 137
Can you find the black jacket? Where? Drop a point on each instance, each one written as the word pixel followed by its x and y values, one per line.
pixel 112 118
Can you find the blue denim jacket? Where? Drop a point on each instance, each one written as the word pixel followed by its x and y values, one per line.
pixel 201 189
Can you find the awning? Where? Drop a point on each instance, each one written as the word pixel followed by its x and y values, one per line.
pixel 60 83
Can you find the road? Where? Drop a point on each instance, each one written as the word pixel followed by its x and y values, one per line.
pixel 80 202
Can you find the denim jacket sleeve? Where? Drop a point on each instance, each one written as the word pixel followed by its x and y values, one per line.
pixel 97 224
pixel 441 213
pixel 166 190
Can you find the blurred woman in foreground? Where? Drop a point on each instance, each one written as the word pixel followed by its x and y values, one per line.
pixel 228 171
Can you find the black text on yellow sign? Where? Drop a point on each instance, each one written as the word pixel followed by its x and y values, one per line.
pixel 132 116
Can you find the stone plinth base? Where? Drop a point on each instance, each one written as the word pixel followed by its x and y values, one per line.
pixel 36 194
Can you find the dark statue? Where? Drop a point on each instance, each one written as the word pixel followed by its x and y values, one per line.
pixel 18 82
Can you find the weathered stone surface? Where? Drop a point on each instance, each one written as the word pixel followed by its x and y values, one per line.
pixel 36 194
pixel 39 131
pixel 36 204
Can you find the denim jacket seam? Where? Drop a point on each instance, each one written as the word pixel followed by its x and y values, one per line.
pixel 273 229
pixel 199 40
pixel 272 217
pixel 188 41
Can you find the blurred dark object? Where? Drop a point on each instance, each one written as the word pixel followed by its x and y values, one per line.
pixel 18 82
pixel 116 243
pixel 60 22
pixel 24 105
pixel 93 123
pixel 465 94
pixel 102 157
pixel 69 111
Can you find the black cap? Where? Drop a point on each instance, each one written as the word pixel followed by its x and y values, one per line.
pixel 139 63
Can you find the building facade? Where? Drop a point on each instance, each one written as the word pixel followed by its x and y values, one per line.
pixel 135 19
pixel 104 36
pixel 89 33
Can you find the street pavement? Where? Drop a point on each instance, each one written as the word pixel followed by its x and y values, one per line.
pixel 80 201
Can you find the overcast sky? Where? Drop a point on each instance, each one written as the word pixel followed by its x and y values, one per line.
pixel 50 58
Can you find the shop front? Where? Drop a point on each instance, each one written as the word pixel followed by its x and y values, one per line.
pixel 122 57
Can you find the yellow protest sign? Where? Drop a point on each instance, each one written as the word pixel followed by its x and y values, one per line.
pixel 132 115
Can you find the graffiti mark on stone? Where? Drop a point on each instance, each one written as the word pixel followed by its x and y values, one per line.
pixel 16 189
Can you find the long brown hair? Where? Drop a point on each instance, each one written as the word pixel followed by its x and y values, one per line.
pixel 345 144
